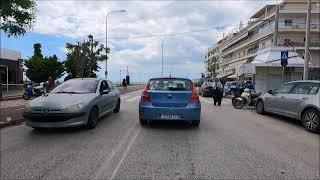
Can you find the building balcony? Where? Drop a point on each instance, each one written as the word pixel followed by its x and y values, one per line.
pixel 315 8
pixel 298 27
pixel 243 56
pixel 314 45
pixel 248 41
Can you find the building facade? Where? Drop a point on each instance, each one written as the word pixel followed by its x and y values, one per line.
pixel 12 60
pixel 260 33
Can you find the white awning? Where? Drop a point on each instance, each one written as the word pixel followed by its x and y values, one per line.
pixel 234 76
pixel 223 75
pixel 272 57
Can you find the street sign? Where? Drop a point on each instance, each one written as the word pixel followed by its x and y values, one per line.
pixel 284 58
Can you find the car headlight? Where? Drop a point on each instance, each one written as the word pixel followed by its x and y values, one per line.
pixel 74 108
pixel 27 108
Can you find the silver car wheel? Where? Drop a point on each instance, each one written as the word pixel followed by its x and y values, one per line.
pixel 311 120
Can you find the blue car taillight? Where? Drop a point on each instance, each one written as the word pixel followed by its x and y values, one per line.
pixel 145 96
pixel 194 96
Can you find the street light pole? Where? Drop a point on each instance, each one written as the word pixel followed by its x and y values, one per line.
pixel 306 51
pixel 106 70
pixel 162 56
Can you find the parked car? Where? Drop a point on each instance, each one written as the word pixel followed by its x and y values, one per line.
pixel 206 89
pixel 75 102
pixel 169 99
pixel 298 99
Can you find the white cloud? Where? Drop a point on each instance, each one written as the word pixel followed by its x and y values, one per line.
pixel 77 19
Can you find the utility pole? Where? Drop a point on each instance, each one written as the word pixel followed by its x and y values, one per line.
pixel 306 51
pixel 106 70
pixel 162 57
pixel 120 78
pixel 275 37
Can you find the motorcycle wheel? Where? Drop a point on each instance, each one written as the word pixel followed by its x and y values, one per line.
pixel 238 104
pixel 26 96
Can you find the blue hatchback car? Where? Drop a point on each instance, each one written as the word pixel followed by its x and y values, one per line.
pixel 169 99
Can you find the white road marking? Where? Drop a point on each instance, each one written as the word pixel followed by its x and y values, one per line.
pixel 125 96
pixel 133 99
pixel 106 163
pixel 125 154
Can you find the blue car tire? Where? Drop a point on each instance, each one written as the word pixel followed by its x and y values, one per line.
pixel 196 123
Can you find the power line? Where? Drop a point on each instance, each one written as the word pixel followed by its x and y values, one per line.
pixel 144 18
pixel 189 32
pixel 170 34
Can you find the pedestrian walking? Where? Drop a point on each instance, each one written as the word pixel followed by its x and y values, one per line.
pixel 124 83
pixel 50 84
pixel 217 92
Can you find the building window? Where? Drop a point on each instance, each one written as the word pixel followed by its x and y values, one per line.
pixel 288 22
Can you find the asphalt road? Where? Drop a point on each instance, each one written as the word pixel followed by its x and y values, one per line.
pixel 229 144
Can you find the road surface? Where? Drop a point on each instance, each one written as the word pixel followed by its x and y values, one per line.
pixel 228 144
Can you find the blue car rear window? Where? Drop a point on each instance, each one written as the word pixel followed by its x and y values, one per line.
pixel 170 84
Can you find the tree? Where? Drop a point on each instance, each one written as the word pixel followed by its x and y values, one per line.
pixel 212 67
pixel 39 68
pixel 82 59
pixel 17 16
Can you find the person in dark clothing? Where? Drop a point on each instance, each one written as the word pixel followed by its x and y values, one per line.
pixel 50 84
pixel 124 83
pixel 217 92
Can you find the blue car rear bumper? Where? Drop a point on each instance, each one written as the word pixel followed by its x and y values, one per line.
pixel 189 113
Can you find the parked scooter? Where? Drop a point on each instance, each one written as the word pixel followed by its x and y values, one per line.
pixel 31 91
pixel 247 98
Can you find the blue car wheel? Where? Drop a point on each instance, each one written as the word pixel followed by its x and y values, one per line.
pixel 196 123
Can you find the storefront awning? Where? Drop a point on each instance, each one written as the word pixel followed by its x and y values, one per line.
pixel 272 57
pixel 233 76
pixel 223 75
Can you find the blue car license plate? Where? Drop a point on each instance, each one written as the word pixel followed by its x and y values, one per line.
pixel 170 116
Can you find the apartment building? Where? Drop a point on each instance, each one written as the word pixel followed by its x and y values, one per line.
pixel 258 36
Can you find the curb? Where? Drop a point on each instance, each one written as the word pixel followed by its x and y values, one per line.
pixel 21 120
pixel 9 98
pixel 12 122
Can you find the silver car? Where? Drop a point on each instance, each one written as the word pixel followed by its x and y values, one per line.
pixel 298 99
pixel 76 102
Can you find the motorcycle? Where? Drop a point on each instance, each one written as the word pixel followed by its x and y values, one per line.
pixel 31 91
pixel 247 98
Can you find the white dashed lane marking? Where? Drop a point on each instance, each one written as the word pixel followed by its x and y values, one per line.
pixel 133 99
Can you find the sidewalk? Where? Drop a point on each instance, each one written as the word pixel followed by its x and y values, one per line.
pixel 11 110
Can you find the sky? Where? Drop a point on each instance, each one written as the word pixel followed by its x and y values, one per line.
pixel 60 22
